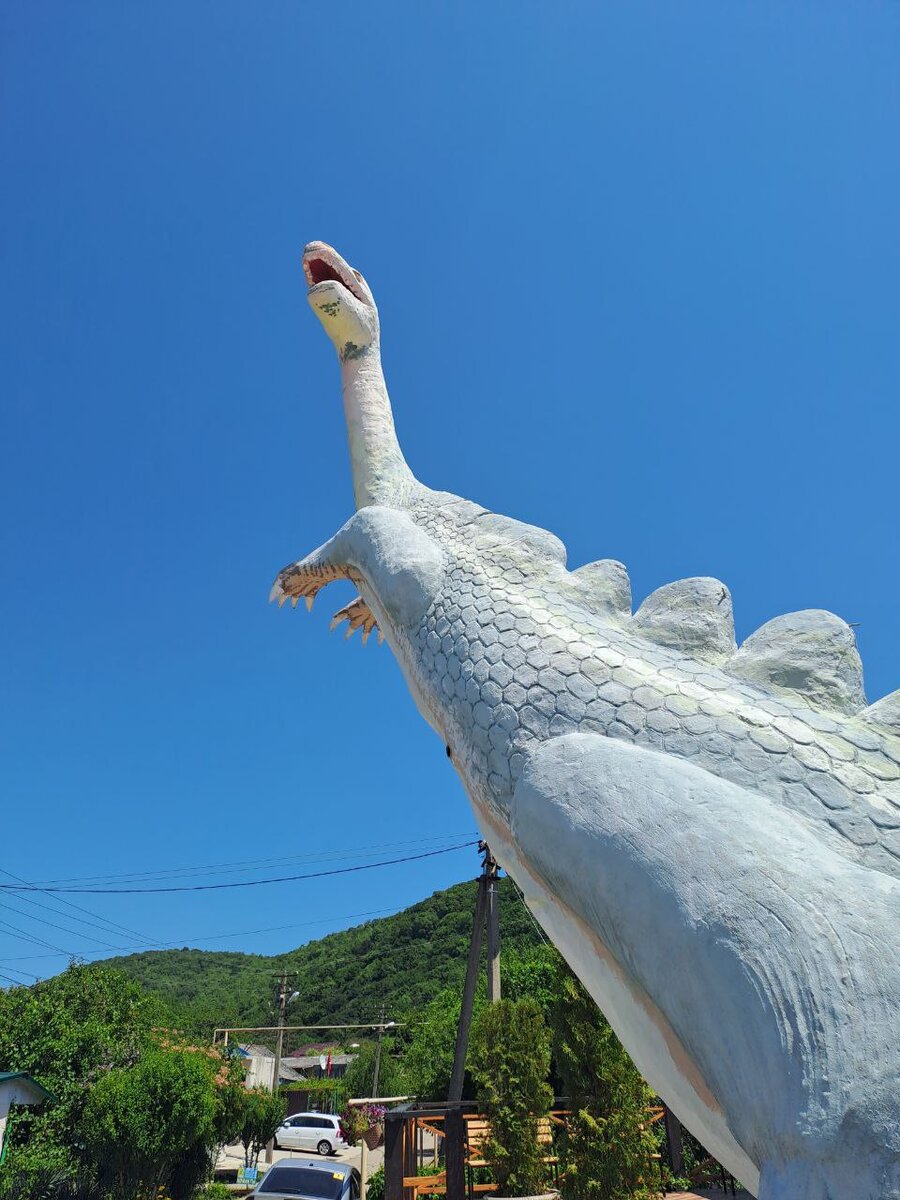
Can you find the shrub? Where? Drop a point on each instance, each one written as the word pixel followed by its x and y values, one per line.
pixel 359 1077
pixel 141 1122
pixel 47 1185
pixel 67 1032
pixel 609 1143
pixel 375 1185
pixel 428 1060
pixel 262 1113
pixel 216 1191
pixel 510 1062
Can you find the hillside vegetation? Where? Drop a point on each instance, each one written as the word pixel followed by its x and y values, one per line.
pixel 398 962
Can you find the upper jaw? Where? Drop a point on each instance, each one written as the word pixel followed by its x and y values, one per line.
pixel 322 265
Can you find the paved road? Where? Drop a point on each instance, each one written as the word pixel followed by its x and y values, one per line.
pixel 233 1157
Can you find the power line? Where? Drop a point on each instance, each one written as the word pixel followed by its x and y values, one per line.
pixel 14 982
pixel 243 864
pixel 108 928
pixel 24 936
pixel 243 883
pixel 72 904
pixel 19 971
pixel 43 921
pixel 534 920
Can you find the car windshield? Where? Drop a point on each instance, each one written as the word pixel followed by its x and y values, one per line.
pixel 303 1181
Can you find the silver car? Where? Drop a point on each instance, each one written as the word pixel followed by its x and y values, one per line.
pixel 296 1179
pixel 310 1131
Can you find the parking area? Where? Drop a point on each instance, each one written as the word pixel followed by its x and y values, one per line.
pixel 232 1157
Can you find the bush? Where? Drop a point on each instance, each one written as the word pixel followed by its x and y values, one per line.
pixel 141 1122
pixel 262 1113
pixel 510 1062
pixel 323 1094
pixel 47 1185
pixel 357 1082
pixel 428 1060
pixel 66 1032
pixel 609 1143
pixel 216 1191
pixel 375 1185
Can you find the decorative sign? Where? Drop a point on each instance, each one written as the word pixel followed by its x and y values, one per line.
pixel 248 1175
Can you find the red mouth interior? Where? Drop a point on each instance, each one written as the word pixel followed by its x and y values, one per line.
pixel 319 271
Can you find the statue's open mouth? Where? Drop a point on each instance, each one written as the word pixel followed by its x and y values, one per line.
pixel 322 264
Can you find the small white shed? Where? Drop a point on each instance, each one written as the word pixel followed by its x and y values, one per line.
pixel 17 1087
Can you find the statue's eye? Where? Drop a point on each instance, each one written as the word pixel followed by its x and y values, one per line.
pixel 449 751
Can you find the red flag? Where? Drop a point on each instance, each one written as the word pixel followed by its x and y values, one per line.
pixel 328 1064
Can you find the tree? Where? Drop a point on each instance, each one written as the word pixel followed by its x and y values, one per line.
pixel 428 1060
pixel 510 1062
pixel 531 972
pixel 609 1142
pixel 139 1121
pixel 262 1113
pixel 197 1164
pixel 66 1032
pixel 357 1081
pixel 94 1039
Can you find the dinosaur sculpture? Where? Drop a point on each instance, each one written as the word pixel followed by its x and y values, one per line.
pixel 710 834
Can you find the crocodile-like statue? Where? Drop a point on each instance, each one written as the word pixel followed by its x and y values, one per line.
pixel 710 834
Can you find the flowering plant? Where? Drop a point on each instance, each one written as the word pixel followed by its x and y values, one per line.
pixel 357 1119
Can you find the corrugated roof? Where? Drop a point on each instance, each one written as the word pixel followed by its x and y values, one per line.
pixel 8 1076
pixel 256 1050
pixel 288 1073
pixel 305 1061
pixel 287 1070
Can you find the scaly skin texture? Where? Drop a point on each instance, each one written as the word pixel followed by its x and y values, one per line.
pixel 525 668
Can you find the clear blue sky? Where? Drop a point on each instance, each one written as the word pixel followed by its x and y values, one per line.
pixel 637 266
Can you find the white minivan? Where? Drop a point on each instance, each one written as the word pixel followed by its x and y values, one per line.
pixel 310 1131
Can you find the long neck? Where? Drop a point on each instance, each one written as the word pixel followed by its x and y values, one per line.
pixel 380 473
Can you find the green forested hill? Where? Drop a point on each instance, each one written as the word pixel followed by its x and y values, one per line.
pixel 399 962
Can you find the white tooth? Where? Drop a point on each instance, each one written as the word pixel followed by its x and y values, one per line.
pixel 294 600
pixel 309 602
pixel 380 638
pixel 281 600
pixel 275 591
pixel 366 633
pixel 336 620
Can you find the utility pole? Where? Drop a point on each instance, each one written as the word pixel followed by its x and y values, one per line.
pixel 493 926
pixel 279 1046
pixel 378 1056
pixel 382 1026
pixel 488 887
pixel 674 1142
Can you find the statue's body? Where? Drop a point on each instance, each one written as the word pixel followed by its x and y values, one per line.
pixel 711 835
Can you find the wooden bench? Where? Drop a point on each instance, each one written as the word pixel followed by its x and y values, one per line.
pixel 478 1130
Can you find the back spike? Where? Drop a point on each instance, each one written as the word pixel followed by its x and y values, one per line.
pixel 605 586
pixel 812 653
pixel 884 712
pixel 690 615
